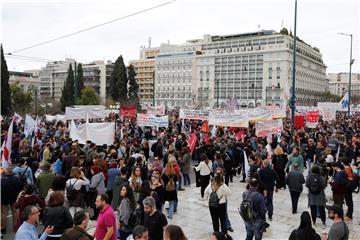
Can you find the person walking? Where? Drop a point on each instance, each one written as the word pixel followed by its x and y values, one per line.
pixel 45 180
pixel 154 221
pixel 269 178
pixel 296 157
pixel 316 197
pixel 112 172
pixel 205 170
pixel 119 181
pixel 295 180
pixel 96 187
pixel 348 194
pixel 106 221
pixel 55 214
pixel 185 165
pixel 339 230
pixel 254 204
pixel 279 161
pixel 74 190
pixel 174 232
pixel 126 208
pixel 305 230
pixel 217 193
pixel 169 179
pixel 338 184
pixel 78 232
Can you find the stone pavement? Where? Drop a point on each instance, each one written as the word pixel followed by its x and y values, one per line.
pixel 194 217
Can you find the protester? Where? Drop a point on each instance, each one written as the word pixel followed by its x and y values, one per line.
pixel 106 221
pixel 27 230
pixel 119 181
pixel 44 180
pixel 78 232
pixel 169 179
pixel 75 192
pixel 338 184
pixel 135 181
pixel 24 172
pixel 126 208
pixel 112 172
pixel 155 221
pixel 339 230
pixel 295 180
pixel 174 232
pixel 96 187
pixel 205 170
pixel 279 161
pixel 305 230
pixel 296 157
pixel 140 233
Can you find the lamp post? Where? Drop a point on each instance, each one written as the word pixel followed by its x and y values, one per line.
pixel 217 93
pixel 293 96
pixel 351 63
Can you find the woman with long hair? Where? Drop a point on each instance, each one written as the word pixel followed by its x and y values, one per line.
pixel 217 206
pixel 279 162
pixel 205 169
pixel 174 232
pixel 169 179
pixel 135 181
pixel 157 186
pixel 305 230
pixel 146 191
pixel 55 214
pixel 126 208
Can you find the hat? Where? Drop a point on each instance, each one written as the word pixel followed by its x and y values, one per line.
pixel 336 209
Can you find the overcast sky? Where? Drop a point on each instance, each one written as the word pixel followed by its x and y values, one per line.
pixel 25 23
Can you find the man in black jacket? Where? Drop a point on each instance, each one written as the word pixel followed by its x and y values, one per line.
pixel 268 177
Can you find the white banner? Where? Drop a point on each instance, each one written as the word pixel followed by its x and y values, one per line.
pixel 193 114
pixel 57 118
pixel 267 128
pixel 236 118
pixel 328 110
pixel 147 120
pixel 81 112
pixel 159 110
pixel 29 126
pixel 98 133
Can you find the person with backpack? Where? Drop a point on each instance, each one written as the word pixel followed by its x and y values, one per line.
pixel 252 210
pixel 169 179
pixel 75 193
pixel 338 184
pixel 339 230
pixel 295 180
pixel 96 187
pixel 316 197
pixel 24 172
pixel 217 193
pixel 205 170
pixel 126 208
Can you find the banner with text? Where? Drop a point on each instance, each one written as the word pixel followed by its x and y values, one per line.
pixel 147 120
pixel 128 111
pixel 328 110
pixel 193 114
pixel 267 128
pixel 158 110
pixel 223 118
pixel 312 119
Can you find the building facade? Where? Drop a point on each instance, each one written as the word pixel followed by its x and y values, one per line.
pixel 145 74
pixel 27 81
pixel 339 83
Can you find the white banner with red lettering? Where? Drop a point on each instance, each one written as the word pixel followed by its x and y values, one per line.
pixel 267 128
pixel 158 110
pixel 312 119
pixel 193 114
pixel 147 120
pixel 224 118
pixel 328 110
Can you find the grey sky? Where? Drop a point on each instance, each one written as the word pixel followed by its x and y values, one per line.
pixel 25 23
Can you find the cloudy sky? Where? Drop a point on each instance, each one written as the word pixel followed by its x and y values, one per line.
pixel 25 23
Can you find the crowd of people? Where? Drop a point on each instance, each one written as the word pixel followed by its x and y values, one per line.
pixel 130 188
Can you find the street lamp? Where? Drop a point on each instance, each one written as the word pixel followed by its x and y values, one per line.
pixel 351 63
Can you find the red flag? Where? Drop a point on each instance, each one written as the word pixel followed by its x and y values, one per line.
pixel 204 127
pixel 6 161
pixel 192 141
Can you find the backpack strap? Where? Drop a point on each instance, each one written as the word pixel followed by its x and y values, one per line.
pixel 24 172
pixel 72 185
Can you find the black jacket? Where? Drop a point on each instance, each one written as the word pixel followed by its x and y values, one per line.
pixel 268 177
pixel 295 180
pixel 10 188
pixel 59 217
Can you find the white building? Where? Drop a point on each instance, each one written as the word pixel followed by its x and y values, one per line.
pixel 339 83
pixel 257 67
pixel 27 81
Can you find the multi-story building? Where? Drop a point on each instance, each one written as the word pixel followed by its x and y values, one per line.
pixel 145 74
pixel 256 67
pixel 97 75
pixel 27 81
pixel 339 83
pixel 52 78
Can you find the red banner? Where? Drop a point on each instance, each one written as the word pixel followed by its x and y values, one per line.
pixel 192 142
pixel 240 135
pixel 299 121
pixel 128 111
pixel 312 118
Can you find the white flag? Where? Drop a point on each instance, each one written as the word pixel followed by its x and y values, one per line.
pixel 344 102
pixel 17 118
pixel 246 166
pixel 29 127
pixel 6 160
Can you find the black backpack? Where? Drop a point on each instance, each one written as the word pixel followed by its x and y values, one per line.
pixel 246 210
pixel 136 218
pixel 214 199
pixel 71 192
pixel 23 178
pixel 354 184
pixel 314 184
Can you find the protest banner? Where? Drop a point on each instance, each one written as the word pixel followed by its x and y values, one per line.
pixel 128 111
pixel 259 114
pixel 328 110
pixel 312 118
pixel 299 121
pixel 192 142
pixel 193 114
pixel 98 133
pixel 158 110
pixel 223 118
pixel 276 111
pixel 147 120
pixel 82 112
pixel 267 128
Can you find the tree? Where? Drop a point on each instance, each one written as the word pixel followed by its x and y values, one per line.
pixel 118 81
pixel 89 96
pixel 109 102
pixel 133 87
pixel 67 96
pixel 5 87
pixel 20 100
pixel 79 79
pixel 284 31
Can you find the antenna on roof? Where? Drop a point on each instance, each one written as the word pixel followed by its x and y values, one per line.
pixel 149 42
pixel 282 23
pixel 259 29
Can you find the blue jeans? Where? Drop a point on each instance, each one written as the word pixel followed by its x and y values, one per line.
pixel 227 221
pixel 186 179
pixel 269 203
pixel 172 208
pixel 253 230
pixel 180 178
